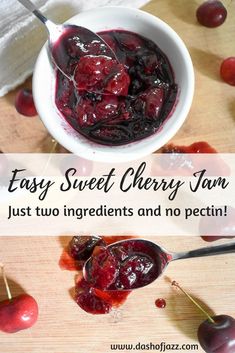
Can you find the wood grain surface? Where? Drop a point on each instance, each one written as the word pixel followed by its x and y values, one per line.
pixel 32 263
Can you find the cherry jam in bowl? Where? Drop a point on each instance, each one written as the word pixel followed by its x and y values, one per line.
pixel 138 114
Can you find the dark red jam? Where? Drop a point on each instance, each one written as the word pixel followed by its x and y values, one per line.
pixel 160 303
pixel 114 270
pixel 138 94
pixel 126 266
pixel 90 299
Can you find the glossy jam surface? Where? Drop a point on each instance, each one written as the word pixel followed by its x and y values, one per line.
pixel 114 270
pixel 160 303
pixel 125 266
pixel 81 248
pixel 96 301
pixel 101 74
pixel 90 299
pixel 140 91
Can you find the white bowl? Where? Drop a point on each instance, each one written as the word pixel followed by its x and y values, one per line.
pixel 153 28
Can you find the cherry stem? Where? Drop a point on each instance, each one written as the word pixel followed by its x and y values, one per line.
pixel 174 283
pixel 6 282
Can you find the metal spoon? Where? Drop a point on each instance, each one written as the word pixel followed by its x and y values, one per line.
pixel 160 256
pixel 58 43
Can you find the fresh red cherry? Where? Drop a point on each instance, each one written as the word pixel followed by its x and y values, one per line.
pixel 17 313
pixel 217 333
pixel 24 103
pixel 218 336
pixel 227 70
pixel 211 13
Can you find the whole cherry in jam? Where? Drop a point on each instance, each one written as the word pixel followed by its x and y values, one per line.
pixel 89 63
pixel 227 70
pixel 101 74
pixel 211 13
pixel 24 103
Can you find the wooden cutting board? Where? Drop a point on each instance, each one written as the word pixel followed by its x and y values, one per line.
pixel 32 263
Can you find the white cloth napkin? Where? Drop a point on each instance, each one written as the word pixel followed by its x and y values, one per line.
pixel 22 35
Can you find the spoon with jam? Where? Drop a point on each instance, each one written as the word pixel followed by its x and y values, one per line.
pixel 135 263
pixel 94 60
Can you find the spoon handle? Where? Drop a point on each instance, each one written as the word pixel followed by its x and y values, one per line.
pixel 32 8
pixel 208 251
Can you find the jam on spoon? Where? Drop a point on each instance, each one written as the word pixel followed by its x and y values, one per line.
pixel 128 262
pixel 88 44
pixel 132 264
